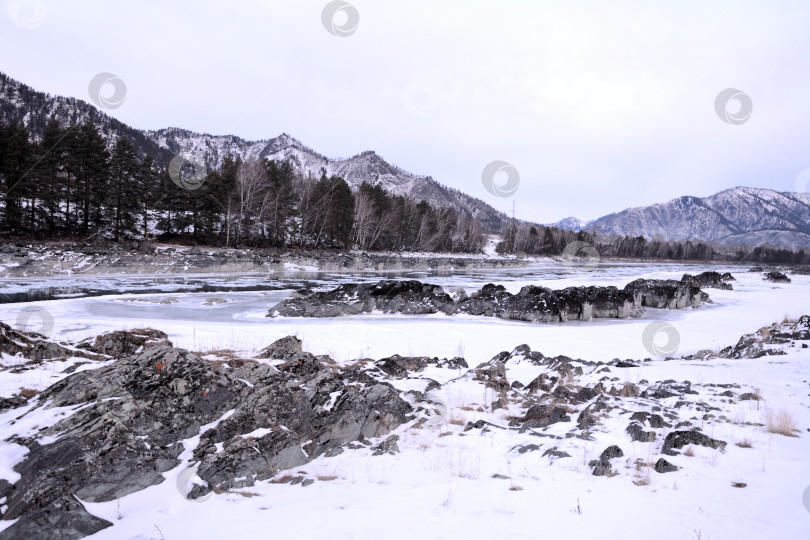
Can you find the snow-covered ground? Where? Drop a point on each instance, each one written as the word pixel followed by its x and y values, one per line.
pixel 441 484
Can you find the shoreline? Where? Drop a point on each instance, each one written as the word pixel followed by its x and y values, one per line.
pixel 61 259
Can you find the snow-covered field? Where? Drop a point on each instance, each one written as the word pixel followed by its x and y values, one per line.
pixel 441 484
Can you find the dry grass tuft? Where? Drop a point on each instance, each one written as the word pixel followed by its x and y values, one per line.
pixel 689 451
pixel 781 421
pixel 745 443
pixel 27 393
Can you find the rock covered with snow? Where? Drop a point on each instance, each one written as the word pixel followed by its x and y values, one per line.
pixel 125 423
pixel 532 303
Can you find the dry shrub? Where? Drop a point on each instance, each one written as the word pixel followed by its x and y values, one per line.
pixel 780 421
pixel 629 390
pixel 27 393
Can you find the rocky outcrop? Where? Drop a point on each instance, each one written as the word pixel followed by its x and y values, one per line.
pixel 126 422
pixel 775 277
pixel 531 304
pixel 678 439
pixel 667 293
pixel 710 280
pixel 770 340
pixel 126 342
pixel 601 466
pixel 36 347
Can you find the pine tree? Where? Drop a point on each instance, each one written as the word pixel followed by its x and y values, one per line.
pixel 282 200
pixel 51 153
pixel 148 186
pixel 123 194
pixel 16 163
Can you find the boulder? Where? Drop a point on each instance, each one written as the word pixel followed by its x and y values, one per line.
pixel 664 466
pixel 776 277
pixel 678 439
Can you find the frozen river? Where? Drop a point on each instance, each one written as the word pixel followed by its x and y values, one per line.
pixel 81 306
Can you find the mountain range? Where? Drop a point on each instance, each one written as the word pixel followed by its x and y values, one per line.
pixel 741 215
pixel 21 102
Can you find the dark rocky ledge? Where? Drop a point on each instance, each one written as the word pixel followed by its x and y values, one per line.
pixel 531 303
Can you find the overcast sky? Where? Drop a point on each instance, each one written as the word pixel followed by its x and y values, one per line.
pixel 598 105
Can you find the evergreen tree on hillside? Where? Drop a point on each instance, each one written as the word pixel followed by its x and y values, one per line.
pixel 281 201
pixel 149 190
pixel 51 152
pixel 89 163
pixel 334 212
pixel 15 169
pixel 122 202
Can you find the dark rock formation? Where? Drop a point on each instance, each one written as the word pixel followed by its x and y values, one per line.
pixel 126 342
pixel 282 349
pixel 776 277
pixel 539 416
pixel 678 439
pixel 667 293
pixel 602 467
pixel 664 466
pixel 531 303
pixel 144 405
pixel 710 280
pixel 637 433
pixel 758 344
pixel 35 347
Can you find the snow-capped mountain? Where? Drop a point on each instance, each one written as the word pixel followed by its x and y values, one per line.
pixel 740 215
pixel 20 102
pixel 570 223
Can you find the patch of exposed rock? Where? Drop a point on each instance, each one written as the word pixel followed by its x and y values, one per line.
pixel 531 303
pixel 775 277
pixel 125 423
pixel 771 340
